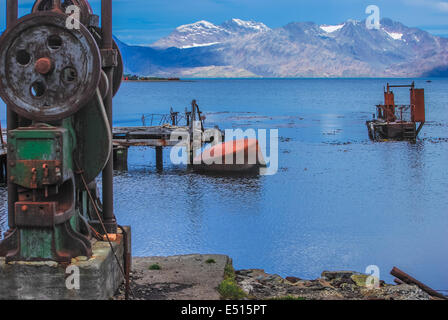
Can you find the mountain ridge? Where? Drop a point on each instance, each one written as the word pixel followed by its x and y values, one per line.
pixel 238 48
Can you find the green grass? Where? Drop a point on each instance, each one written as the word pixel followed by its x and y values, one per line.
pixel 228 288
pixel 229 272
pixel 154 267
pixel 210 261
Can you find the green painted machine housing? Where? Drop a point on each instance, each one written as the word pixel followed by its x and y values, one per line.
pixel 48 219
pixel 40 157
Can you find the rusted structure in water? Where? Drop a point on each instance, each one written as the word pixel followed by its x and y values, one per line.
pixel 398 122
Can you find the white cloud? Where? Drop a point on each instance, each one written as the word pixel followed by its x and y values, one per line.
pixel 435 4
pixel 443 6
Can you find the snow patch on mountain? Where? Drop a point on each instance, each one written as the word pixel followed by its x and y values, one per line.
pixel 331 29
pixel 197 26
pixel 196 45
pixel 248 26
pixel 204 33
pixel 394 35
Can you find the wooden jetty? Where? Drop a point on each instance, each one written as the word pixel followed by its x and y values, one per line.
pixel 159 136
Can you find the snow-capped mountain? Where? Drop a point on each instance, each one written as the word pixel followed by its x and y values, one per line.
pixel 239 48
pixel 204 33
pixel 241 27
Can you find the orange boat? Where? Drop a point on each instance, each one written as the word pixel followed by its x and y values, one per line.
pixel 243 155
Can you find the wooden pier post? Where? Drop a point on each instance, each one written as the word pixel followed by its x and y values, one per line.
pixel 120 158
pixel 159 158
pixel 3 168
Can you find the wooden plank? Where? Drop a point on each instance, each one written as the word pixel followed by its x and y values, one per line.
pixel 147 143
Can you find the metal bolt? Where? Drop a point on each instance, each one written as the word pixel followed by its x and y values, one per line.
pixel 24 208
pixel 12 163
pixel 43 65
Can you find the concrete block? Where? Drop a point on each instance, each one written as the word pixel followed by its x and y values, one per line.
pixel 99 277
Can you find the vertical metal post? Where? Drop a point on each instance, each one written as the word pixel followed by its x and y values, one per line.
pixel 12 119
pixel 108 172
pixel 192 124
pixel 159 158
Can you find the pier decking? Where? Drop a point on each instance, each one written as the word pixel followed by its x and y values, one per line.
pixel 155 136
pixel 158 137
pixel 167 134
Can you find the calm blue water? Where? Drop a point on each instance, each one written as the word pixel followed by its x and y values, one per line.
pixel 338 201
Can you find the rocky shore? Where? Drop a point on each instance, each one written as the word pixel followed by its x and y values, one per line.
pixel 212 277
pixel 332 285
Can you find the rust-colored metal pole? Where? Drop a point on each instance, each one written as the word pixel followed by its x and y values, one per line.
pixel 11 117
pixel 404 277
pixel 108 172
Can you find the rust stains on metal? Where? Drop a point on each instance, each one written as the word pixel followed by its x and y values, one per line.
pixel 398 122
pixel 86 12
pixel 26 83
pixel 405 278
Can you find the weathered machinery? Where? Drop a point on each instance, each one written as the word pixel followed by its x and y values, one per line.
pixel 398 122
pixel 58 84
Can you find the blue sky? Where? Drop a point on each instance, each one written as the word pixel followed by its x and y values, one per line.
pixel 145 21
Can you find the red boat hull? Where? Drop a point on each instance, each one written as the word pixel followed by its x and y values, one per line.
pixel 242 155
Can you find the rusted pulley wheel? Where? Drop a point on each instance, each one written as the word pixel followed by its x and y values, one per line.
pixel 83 5
pixel 48 72
pixel 86 12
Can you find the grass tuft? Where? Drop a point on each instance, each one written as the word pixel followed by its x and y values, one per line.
pixel 228 288
pixel 154 267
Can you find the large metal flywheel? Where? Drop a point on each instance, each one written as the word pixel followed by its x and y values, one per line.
pixel 48 71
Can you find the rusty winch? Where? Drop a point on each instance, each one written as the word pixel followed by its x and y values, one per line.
pixel 58 82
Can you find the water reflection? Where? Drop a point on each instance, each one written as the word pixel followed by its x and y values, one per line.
pixel 176 206
pixel 338 202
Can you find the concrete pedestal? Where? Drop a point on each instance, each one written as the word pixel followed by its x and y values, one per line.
pixel 99 277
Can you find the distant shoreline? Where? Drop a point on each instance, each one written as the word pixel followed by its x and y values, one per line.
pixel 429 79
pixel 156 80
pixel 137 78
